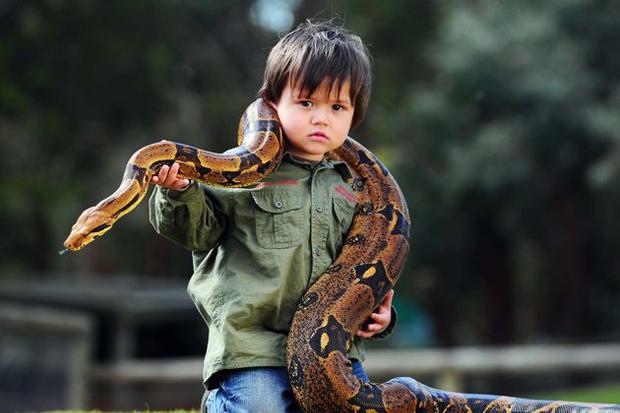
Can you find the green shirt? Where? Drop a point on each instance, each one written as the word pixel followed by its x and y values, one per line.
pixel 256 251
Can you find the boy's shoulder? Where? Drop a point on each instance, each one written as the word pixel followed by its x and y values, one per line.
pixel 290 174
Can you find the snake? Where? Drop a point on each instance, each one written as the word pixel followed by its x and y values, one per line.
pixel 368 265
pixel 260 149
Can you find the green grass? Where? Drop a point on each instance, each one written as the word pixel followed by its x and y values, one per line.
pixel 609 393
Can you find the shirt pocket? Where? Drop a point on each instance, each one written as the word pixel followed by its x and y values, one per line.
pixel 278 217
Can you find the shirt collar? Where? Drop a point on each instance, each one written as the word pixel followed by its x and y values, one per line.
pixel 340 166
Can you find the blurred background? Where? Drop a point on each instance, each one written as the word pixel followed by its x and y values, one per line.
pixel 499 119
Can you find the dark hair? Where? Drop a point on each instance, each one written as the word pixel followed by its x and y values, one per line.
pixel 317 52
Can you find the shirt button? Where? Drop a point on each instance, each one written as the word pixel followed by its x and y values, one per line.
pixel 318 251
pixel 278 204
pixel 319 209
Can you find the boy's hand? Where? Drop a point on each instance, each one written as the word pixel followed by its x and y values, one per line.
pixel 380 319
pixel 167 178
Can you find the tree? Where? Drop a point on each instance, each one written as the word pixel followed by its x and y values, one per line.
pixel 83 85
pixel 509 170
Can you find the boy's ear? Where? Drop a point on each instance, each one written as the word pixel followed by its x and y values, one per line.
pixel 272 104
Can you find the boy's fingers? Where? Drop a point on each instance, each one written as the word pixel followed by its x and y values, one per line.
pixel 370 331
pixel 162 174
pixel 381 322
pixel 172 174
pixel 374 327
pixel 379 317
pixel 167 177
pixel 381 313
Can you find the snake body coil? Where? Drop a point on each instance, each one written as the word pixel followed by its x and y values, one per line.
pixel 330 312
pixel 260 149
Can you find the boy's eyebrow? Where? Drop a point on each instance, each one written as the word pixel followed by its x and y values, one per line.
pixel 339 101
pixel 304 94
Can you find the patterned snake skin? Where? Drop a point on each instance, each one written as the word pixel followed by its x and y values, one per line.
pixel 372 257
pixel 260 150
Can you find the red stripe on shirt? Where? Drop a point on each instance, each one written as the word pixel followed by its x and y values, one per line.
pixel 285 182
pixel 342 191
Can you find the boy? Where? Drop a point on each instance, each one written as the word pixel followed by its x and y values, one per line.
pixel 257 250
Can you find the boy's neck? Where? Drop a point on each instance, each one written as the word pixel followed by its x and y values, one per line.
pixel 311 162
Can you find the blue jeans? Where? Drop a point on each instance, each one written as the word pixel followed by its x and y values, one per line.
pixel 258 390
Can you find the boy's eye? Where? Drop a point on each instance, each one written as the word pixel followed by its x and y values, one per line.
pixel 338 107
pixel 305 103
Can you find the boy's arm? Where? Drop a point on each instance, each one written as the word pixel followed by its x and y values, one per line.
pixel 189 217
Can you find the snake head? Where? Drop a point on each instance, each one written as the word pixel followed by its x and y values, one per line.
pixel 92 223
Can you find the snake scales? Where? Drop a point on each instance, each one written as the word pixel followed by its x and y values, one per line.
pixel 368 266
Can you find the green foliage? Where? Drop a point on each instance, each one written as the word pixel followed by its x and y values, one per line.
pixel 506 161
pixel 499 119
pixel 83 84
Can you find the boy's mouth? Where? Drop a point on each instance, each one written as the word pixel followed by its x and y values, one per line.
pixel 318 135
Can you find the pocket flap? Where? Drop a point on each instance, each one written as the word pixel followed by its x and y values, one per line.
pixel 277 202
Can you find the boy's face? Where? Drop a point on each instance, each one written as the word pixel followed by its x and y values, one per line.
pixel 317 124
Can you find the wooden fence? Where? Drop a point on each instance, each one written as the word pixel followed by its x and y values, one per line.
pixel 446 368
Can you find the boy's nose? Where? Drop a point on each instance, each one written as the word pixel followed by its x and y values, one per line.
pixel 319 117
